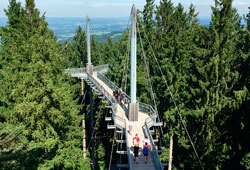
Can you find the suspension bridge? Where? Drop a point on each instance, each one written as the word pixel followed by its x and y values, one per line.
pixel 142 117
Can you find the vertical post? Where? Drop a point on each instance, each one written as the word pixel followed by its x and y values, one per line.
pixel 82 87
pixel 84 139
pixel 92 126
pixel 133 106
pixel 133 56
pixel 89 65
pixel 170 152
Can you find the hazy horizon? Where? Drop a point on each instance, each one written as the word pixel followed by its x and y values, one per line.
pixel 65 27
pixel 114 8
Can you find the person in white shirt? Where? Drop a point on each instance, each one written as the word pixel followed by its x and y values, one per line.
pixel 146 140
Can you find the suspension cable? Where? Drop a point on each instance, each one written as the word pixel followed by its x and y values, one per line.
pixel 72 58
pixel 125 73
pixel 92 136
pixel 124 70
pixel 126 80
pixel 98 50
pixel 173 100
pixel 110 160
pixel 149 80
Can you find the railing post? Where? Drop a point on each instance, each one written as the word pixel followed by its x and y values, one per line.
pixel 84 139
pixel 92 126
pixel 82 87
pixel 170 153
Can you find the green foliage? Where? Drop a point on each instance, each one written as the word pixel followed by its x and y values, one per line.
pixel 207 69
pixel 36 97
pixel 246 161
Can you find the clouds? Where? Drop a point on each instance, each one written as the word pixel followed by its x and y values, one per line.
pixel 113 8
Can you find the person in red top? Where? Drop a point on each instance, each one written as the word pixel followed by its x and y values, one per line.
pixel 136 141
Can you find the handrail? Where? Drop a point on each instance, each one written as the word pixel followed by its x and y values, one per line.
pixel 101 68
pixel 116 118
pixel 145 108
pixel 112 100
pixel 154 153
pixel 75 70
pixel 128 149
pixel 119 119
pixel 103 90
pixel 110 84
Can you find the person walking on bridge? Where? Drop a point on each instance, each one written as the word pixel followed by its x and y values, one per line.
pixel 136 141
pixel 146 149
pixel 145 140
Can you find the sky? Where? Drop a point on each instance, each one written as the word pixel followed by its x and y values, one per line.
pixel 113 8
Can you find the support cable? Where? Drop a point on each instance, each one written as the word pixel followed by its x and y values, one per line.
pixel 173 100
pixel 118 53
pixel 126 77
pixel 64 47
pixel 149 79
pixel 91 136
pixel 146 71
pixel 98 50
pixel 110 160
pixel 125 73
pixel 124 70
pixel 93 131
pixel 128 45
pixel 72 58
pixel 83 98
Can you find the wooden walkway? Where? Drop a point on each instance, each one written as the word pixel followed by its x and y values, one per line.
pixel 136 129
pixel 121 121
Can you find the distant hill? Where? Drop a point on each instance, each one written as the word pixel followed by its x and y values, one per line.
pixel 102 28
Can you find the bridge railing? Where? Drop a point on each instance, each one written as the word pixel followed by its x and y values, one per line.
pixel 145 108
pixel 112 86
pixel 101 68
pixel 119 122
pixel 111 98
pixel 154 152
pixel 75 70
pixel 109 83
pixel 128 150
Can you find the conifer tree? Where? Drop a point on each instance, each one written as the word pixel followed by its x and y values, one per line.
pixel 79 48
pixel 36 95
pixel 215 82
pixel 244 135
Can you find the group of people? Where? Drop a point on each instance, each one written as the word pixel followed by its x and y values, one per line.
pixel 120 96
pixel 145 151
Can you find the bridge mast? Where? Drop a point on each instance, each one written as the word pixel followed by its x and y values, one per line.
pixel 90 71
pixel 89 65
pixel 133 107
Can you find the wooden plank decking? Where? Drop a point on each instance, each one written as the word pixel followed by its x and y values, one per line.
pixel 137 127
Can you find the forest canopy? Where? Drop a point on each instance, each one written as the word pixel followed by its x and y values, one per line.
pixel 207 69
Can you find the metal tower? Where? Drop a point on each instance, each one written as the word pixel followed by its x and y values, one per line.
pixel 89 65
pixel 133 106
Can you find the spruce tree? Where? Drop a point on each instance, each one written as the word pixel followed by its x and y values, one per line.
pixel 36 95
pixel 215 83
pixel 79 49
pixel 244 128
